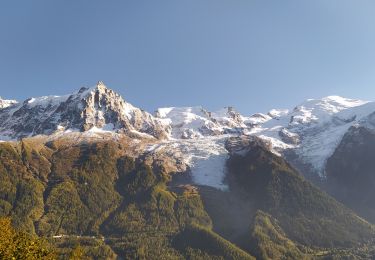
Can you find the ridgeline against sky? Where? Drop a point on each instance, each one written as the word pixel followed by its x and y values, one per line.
pixel 253 55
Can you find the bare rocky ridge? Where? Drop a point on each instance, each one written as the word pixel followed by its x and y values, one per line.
pixel 88 109
pixel 306 135
pixel 232 162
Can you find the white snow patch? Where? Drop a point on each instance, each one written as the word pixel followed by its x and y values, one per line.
pixel 320 124
pixel 276 113
pixel 257 119
pixel 47 100
pixel 7 103
pixel 206 158
pixel 207 163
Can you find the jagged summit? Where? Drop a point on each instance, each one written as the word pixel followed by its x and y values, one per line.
pixel 100 86
pixel 97 109
pixel 310 131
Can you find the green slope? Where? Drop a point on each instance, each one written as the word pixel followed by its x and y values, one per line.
pixel 96 196
pixel 306 214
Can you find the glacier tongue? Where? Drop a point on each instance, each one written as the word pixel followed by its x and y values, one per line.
pixel 310 131
pixel 206 158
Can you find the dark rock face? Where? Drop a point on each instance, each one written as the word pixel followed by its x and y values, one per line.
pixel 234 115
pixel 350 171
pixel 244 143
pixel 95 107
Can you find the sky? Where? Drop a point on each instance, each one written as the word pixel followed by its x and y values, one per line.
pixel 253 55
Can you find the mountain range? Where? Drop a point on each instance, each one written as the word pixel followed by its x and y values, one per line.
pixel 187 183
pixel 311 130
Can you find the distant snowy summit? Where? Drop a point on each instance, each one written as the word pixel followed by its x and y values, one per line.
pixel 6 103
pixel 196 122
pixel 307 135
pixel 100 109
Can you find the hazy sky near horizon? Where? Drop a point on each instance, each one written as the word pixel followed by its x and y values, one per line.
pixel 253 55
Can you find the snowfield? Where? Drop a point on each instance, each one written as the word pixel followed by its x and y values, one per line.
pixel 206 158
pixel 312 130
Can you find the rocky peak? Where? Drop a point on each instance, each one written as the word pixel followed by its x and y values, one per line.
pixel 98 109
pixel 236 116
pixel 102 106
pixel 100 84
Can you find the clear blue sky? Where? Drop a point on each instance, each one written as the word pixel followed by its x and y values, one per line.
pixel 254 55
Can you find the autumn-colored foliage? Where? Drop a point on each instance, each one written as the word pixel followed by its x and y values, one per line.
pixel 20 245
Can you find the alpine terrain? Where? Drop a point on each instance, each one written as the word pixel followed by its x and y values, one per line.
pixel 90 176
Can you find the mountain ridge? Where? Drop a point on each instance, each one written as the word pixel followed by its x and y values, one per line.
pixel 92 164
pixel 306 135
pixel 86 109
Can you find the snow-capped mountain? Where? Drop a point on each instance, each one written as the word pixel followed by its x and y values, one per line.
pixel 196 122
pixel 309 133
pixel 95 109
pixel 306 135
